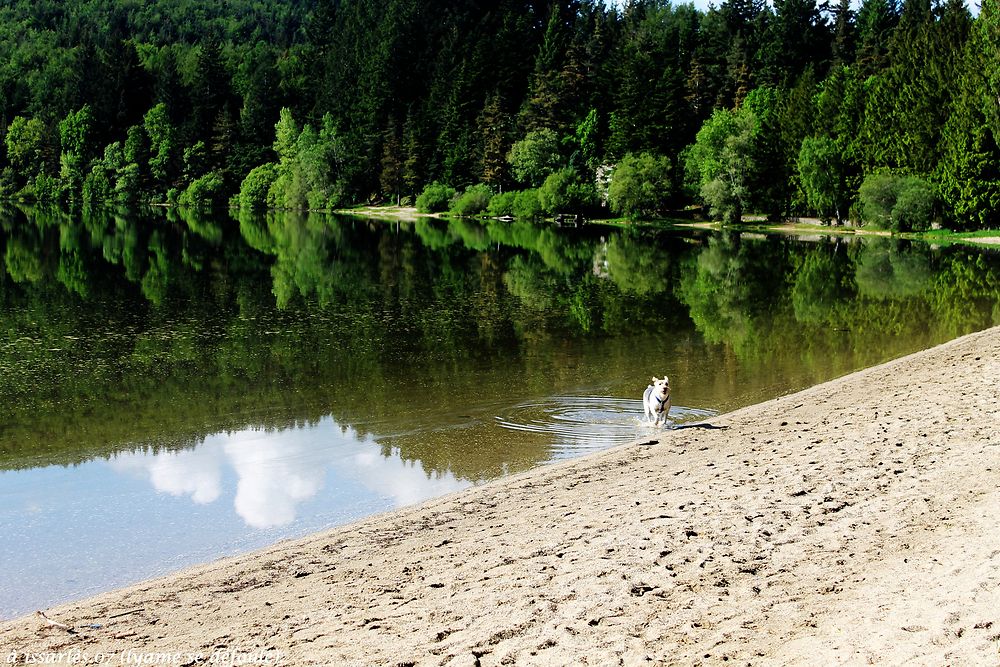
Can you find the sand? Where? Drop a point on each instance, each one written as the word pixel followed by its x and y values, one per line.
pixel 851 523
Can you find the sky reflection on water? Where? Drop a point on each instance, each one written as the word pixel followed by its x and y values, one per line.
pixel 112 521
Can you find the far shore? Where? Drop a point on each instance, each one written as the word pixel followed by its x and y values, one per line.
pixel 852 523
pixel 797 226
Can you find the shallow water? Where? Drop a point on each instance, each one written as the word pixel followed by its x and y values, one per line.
pixel 577 424
pixel 174 389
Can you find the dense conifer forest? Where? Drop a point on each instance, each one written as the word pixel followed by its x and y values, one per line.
pixel 887 114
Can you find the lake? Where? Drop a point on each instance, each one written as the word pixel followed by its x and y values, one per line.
pixel 175 388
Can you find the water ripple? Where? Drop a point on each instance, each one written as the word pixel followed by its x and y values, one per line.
pixel 578 423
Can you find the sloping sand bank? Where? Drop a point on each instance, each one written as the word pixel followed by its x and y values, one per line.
pixel 852 523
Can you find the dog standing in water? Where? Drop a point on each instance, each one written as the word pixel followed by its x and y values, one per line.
pixel 656 400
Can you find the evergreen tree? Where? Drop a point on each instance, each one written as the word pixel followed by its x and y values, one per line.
pixel 797 38
pixel 135 84
pixel 168 88
pixel 414 156
pixel 210 89
pixel 391 176
pixel 494 128
pixel 875 22
pixel 844 35
pixel 542 108
pixel 968 173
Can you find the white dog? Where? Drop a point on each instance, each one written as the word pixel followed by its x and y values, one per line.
pixel 656 400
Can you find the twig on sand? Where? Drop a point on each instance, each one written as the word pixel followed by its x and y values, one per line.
pixel 704 425
pixel 126 613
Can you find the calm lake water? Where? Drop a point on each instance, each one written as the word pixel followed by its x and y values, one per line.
pixel 174 389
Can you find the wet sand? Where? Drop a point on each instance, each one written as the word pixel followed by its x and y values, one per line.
pixel 851 523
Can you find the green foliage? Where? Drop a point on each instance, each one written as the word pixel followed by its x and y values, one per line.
pixel 719 163
pixel 502 204
pixel 164 147
pixel 76 130
pixel 587 140
pixel 97 187
pixel 127 187
pixel 204 192
pixel 915 204
pixel 44 189
pixel 26 145
pixel 474 201
pixel 732 93
pixel 536 156
pixel 968 173
pixel 435 198
pixel 195 160
pixel 71 175
pixel 877 197
pixel 565 192
pixel 527 205
pixel 286 137
pixel 899 203
pixel 640 185
pixel 821 176
pixel 254 189
pixel 136 145
pixel 307 174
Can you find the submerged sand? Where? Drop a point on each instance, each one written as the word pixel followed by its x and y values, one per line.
pixel 851 523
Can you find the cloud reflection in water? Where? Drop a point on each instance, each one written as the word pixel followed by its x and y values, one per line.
pixel 277 471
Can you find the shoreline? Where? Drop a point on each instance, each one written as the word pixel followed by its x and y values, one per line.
pixel 849 523
pixel 797 227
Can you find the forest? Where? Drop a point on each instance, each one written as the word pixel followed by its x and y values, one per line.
pixel 885 115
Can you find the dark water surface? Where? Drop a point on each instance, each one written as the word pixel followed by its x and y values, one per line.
pixel 174 389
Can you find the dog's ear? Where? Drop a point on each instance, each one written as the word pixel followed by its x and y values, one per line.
pixel 666 379
pixel 654 380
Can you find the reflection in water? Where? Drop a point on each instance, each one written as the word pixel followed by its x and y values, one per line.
pixel 191 472
pixel 138 514
pixel 275 476
pixel 278 471
pixel 195 387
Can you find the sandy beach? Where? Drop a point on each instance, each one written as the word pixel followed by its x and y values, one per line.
pixel 852 523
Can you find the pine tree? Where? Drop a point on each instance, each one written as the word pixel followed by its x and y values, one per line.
pixel 875 22
pixel 210 89
pixel 391 176
pixel 968 173
pixel 796 38
pixel 168 88
pixel 844 35
pixel 494 128
pixel 542 109
pixel 414 156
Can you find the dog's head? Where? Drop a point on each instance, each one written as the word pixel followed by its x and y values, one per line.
pixel 661 387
